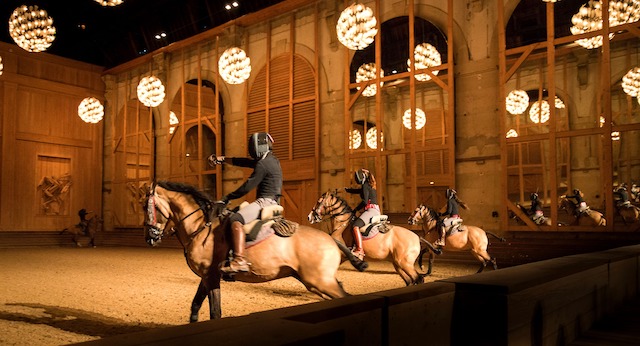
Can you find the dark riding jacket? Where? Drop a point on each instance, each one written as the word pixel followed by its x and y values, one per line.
pixel 366 192
pixel 266 176
pixel 535 206
pixel 452 207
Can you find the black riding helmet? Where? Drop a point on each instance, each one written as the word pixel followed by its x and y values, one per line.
pixel 451 193
pixel 360 176
pixel 534 196
pixel 260 143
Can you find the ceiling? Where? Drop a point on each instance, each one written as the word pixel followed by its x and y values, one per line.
pixel 110 36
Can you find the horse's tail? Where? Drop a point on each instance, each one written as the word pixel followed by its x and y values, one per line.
pixel 495 236
pixel 424 249
pixel 357 263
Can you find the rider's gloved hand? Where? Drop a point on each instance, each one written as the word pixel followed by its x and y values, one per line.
pixel 215 160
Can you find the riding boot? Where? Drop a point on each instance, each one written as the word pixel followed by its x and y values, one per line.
pixel 357 246
pixel 238 263
pixel 440 241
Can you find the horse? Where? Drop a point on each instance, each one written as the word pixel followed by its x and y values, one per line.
pixel 397 245
pixel 588 218
pixel 309 255
pixel 468 238
pixel 77 230
pixel 629 212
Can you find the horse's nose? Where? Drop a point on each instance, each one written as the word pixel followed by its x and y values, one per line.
pixel 310 217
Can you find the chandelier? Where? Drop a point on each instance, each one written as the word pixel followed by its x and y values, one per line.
pixel 173 120
pixel 234 66
pixel 539 112
pixel 109 2
pixel 517 101
pixel 32 28
pixel 558 103
pixel 372 138
pixel 425 56
pixel 355 139
pixel 631 82
pixel 365 73
pixel 588 19
pixel 623 11
pixel 356 27
pixel 90 110
pixel 150 91
pixel 421 119
pixel 512 133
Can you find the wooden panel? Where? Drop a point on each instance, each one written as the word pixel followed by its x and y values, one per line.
pixel 304 78
pixel 258 95
pixel 279 79
pixel 304 115
pixel 279 130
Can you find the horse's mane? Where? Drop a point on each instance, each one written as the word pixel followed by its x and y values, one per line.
pixel 203 200
pixel 342 200
pixel 433 214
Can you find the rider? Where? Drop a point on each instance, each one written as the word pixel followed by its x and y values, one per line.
pixel 622 196
pixel 367 192
pixel 84 223
pixel 266 177
pixel 536 209
pixel 581 205
pixel 453 216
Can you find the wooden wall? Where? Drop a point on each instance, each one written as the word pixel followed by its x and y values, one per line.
pixel 51 160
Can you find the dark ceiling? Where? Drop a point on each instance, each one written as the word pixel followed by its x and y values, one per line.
pixel 110 36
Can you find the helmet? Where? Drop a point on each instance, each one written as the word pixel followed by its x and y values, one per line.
pixel 576 192
pixel 360 176
pixel 451 193
pixel 260 143
pixel 534 196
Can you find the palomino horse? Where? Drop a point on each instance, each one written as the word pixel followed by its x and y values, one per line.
pixel 93 224
pixel 309 255
pixel 398 245
pixel 588 218
pixel 629 212
pixel 470 238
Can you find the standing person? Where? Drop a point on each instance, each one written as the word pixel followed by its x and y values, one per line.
pixel 369 195
pixel 453 216
pixel 266 177
pixel 537 215
pixel 581 205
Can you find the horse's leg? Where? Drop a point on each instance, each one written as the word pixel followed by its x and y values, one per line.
pixel 199 297
pixel 432 256
pixel 215 312
pixel 482 256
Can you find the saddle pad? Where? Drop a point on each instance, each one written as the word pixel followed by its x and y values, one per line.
pixel 265 232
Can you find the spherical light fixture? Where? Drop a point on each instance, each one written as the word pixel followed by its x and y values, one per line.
pixel 365 73
pixel 234 66
pixel 588 19
pixel 173 120
pixel 31 28
pixel 425 56
pixel 109 2
pixel 539 112
pixel 517 101
pixel 421 119
pixel 356 27
pixel 372 138
pixel 151 91
pixel 355 139
pixel 512 133
pixel 558 103
pixel 91 110
pixel 631 82
pixel 623 12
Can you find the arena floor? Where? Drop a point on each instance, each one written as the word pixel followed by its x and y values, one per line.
pixel 59 295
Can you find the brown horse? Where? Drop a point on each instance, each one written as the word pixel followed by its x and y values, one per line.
pixel 629 212
pixel 398 245
pixel 468 238
pixel 588 218
pixel 309 255
pixel 93 224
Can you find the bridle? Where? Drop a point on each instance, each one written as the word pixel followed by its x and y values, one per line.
pixel 419 215
pixel 322 211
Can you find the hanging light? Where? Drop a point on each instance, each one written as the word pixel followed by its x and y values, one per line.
pixel 623 11
pixel 234 66
pixel 109 2
pixel 539 112
pixel 365 73
pixel 372 138
pixel 588 19
pixel 512 133
pixel 1 66
pixel 558 103
pixel 356 28
pixel 517 101
pixel 32 28
pixel 425 56
pixel 151 91
pixel 355 139
pixel 631 82
pixel 421 119
pixel 91 110
pixel 615 135
pixel 173 120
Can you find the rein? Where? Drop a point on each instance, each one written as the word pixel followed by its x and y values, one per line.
pixel 332 213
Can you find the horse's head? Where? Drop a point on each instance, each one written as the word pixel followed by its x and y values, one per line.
pixel 417 214
pixel 156 217
pixel 319 210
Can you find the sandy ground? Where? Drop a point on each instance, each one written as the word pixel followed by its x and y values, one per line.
pixel 58 296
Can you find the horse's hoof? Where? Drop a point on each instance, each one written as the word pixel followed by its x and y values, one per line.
pixel 193 318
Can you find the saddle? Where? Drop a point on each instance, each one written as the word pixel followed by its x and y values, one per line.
pixel 379 223
pixel 453 227
pixel 270 219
